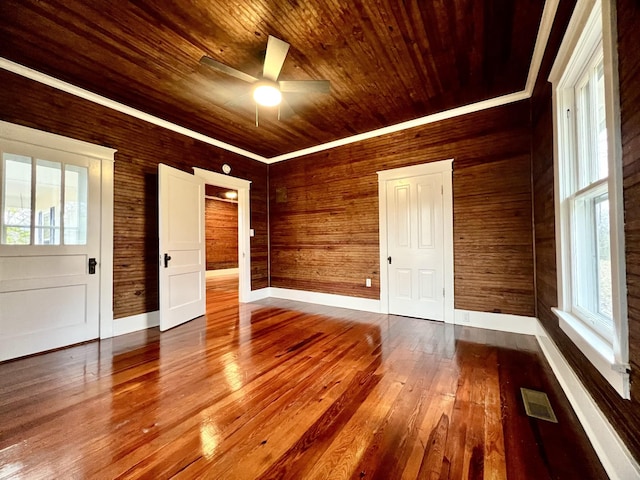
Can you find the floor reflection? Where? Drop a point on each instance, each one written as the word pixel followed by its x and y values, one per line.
pixel 280 389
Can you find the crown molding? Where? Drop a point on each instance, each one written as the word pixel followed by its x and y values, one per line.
pixel 120 107
pixel 436 117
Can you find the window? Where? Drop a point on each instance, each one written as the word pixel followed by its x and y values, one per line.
pixel 588 169
pixel 44 202
pixel 587 193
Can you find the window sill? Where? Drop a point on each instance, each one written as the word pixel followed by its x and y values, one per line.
pixel 597 351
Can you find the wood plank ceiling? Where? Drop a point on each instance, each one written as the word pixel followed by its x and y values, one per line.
pixel 388 61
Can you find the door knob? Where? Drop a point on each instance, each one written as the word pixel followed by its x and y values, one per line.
pixel 389 260
pixel 92 266
pixel 167 257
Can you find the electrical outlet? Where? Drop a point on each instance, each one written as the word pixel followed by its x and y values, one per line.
pixel 466 317
pixel 367 283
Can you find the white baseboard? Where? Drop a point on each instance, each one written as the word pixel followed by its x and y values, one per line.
pixel 496 321
pixel 614 455
pixel 106 322
pixel 259 294
pixel 135 323
pixel 222 272
pixel 328 299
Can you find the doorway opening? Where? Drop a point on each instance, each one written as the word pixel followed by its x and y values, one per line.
pixel 221 244
pixel 226 183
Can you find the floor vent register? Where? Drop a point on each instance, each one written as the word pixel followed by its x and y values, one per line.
pixel 537 405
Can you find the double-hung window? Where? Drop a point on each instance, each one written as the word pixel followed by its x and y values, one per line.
pixel 588 193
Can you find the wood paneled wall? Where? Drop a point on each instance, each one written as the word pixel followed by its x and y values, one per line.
pixel 141 146
pixel 629 68
pixel 221 234
pixel 623 414
pixel 324 210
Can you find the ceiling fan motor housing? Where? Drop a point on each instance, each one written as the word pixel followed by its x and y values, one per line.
pixel 267 93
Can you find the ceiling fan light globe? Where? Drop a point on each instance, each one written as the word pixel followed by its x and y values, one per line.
pixel 267 95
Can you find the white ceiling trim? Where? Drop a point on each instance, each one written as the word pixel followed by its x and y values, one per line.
pixel 546 23
pixel 544 30
pixel 436 117
pixel 120 107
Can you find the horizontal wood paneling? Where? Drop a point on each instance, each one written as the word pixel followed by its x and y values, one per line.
pixel 141 146
pixel 628 415
pixel 623 414
pixel 387 61
pixel 221 234
pixel 324 210
pixel 629 63
pixel 492 233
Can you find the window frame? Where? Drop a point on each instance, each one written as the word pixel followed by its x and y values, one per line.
pixel 36 154
pixel 593 319
pixel 592 25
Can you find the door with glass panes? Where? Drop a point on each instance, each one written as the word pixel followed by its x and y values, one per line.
pixel 49 249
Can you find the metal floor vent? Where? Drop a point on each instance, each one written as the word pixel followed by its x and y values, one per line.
pixel 537 405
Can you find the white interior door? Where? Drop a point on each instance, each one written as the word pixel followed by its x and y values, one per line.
pixel 182 246
pixel 50 233
pixel 415 229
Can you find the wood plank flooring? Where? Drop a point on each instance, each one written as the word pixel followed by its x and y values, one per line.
pixel 284 390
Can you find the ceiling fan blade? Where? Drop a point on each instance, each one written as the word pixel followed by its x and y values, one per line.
pixel 305 86
pixel 240 101
pixel 285 110
pixel 274 58
pixel 221 67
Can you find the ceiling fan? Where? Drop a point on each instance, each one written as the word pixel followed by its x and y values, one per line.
pixel 267 91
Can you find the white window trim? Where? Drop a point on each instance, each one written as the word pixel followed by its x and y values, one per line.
pixel 611 359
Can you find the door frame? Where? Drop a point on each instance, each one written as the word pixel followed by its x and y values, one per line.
pixel 106 156
pixel 243 188
pixel 444 167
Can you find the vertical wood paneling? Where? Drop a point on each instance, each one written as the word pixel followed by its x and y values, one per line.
pixel 141 146
pixel 324 210
pixel 623 414
pixel 221 234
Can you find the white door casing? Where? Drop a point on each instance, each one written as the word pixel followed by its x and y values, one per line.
pixel 48 299
pixel 416 231
pixel 181 245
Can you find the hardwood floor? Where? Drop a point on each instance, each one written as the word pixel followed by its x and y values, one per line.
pixel 280 389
